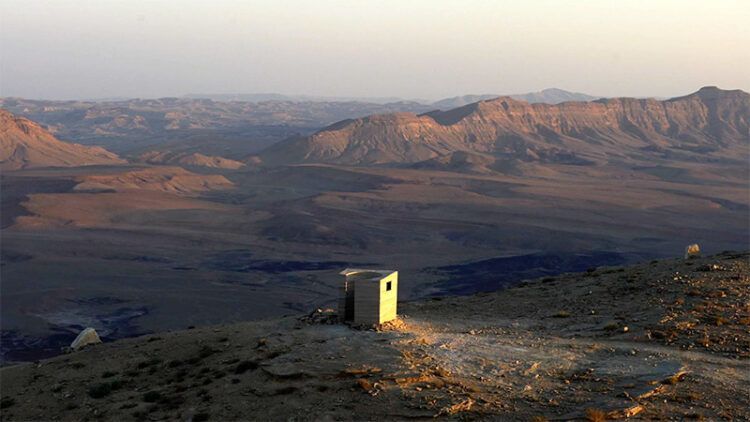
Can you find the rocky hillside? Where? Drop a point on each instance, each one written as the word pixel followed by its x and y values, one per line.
pixel 195 159
pixel 710 124
pixel 661 340
pixel 25 144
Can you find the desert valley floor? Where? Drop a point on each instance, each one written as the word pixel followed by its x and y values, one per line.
pixel 208 212
pixel 146 249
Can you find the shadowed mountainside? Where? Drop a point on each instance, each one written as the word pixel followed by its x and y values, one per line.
pixel 707 125
pixel 25 144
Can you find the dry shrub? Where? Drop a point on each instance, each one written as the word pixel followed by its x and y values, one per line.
pixel 704 340
pixel 595 415
pixel 562 314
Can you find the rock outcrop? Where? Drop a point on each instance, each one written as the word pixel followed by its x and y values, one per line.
pixel 692 251
pixel 85 338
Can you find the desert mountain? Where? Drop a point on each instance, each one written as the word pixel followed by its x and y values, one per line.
pixel 549 96
pixel 272 96
pixel 708 124
pixel 25 144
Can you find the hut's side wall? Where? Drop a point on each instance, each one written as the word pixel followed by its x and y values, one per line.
pixel 388 298
pixel 367 302
pixel 346 300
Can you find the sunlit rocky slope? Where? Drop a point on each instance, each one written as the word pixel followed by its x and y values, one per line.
pixel 665 339
pixel 25 144
pixel 707 125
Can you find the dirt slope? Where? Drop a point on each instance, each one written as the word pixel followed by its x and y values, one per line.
pixel 664 339
pixel 25 144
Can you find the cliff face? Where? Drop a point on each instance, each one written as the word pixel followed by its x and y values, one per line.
pixel 710 121
pixel 25 144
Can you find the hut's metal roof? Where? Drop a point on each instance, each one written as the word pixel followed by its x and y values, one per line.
pixel 366 273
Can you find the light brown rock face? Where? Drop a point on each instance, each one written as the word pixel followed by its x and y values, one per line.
pixel 25 144
pixel 710 121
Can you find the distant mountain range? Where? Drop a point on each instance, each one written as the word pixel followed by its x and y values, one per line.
pixel 265 97
pixel 230 129
pixel 708 124
pixel 125 124
pixel 25 144
pixel 550 96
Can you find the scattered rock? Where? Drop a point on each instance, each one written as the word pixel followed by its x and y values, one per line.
pixel 361 371
pixel 692 251
pixel 625 413
pixel 365 384
pixel 709 268
pixel 321 316
pixel 674 379
pixel 462 406
pixel 397 324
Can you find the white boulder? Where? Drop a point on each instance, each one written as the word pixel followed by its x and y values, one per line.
pixel 86 337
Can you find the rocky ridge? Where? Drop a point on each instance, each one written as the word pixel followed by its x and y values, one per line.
pixel 711 124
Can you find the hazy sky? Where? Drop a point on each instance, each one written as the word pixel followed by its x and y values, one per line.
pixel 406 48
